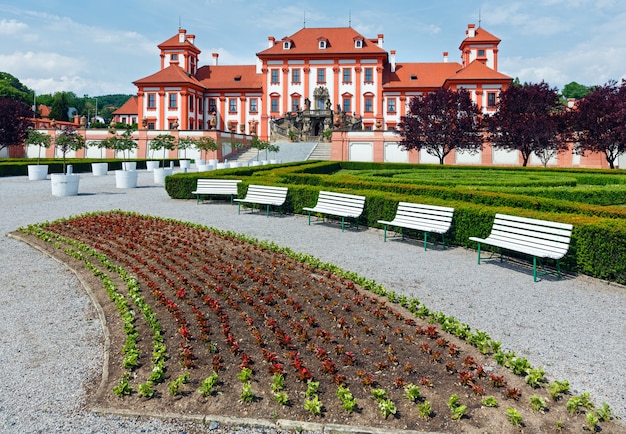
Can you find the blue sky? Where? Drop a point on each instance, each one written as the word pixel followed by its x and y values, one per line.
pixel 98 48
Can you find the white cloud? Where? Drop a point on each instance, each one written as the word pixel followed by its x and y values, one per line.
pixel 12 27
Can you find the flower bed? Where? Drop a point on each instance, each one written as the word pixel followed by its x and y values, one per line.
pixel 235 327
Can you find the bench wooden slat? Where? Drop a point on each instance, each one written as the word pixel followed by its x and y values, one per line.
pixel 537 238
pixel 338 204
pixel 207 187
pixel 421 217
pixel 264 195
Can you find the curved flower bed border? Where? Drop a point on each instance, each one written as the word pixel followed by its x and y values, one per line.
pixel 222 289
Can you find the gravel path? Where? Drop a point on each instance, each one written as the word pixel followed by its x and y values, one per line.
pixel 51 340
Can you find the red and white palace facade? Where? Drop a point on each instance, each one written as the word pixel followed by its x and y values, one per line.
pixel 315 71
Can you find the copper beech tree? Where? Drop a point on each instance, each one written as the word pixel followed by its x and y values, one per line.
pixel 14 125
pixel 530 119
pixel 440 122
pixel 599 121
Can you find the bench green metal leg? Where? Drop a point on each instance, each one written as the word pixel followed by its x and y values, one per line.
pixel 385 232
pixel 238 207
pixel 534 268
pixel 478 253
pixel 267 213
pixel 342 223
pixel 425 240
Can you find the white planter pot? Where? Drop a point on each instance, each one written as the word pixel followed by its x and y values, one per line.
pixel 200 162
pixel 203 167
pixel 129 165
pixel 223 165
pixel 64 185
pixel 184 164
pixel 99 169
pixel 126 178
pixel 273 161
pixel 160 173
pixel 151 165
pixel 213 162
pixel 37 172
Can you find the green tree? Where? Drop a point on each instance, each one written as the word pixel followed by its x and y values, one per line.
pixel 13 122
pixel 60 106
pixel 123 143
pixel 39 139
pixel 440 122
pixel 167 142
pixel 11 87
pixel 205 144
pixel 575 90
pixel 69 140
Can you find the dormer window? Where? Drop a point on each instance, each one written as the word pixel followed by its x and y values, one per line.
pixel 286 45
pixel 481 53
pixel 322 44
pixel 237 77
pixel 358 43
pixel 413 77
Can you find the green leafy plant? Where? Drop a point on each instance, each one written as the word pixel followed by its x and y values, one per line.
pixel 313 405
pixel 247 395
pixel 556 388
pixel 348 402
pixel 311 388
pixel 424 409
pixel 538 404
pixel 278 382
pixel 379 394
pixel 604 412
pixel 122 388
pixel 245 375
pixel 386 407
pixel 576 403
pixel 207 387
pixel 458 410
pixel 535 377
pixel 412 392
pixel 146 390
pixel 591 420
pixel 490 401
pixel 514 417
pixel 281 397
pixel 174 386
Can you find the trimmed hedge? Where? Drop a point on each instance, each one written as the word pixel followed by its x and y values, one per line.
pixel 598 245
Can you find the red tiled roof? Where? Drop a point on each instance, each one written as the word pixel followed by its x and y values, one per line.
pixel 173 74
pixel 480 35
pixel 230 77
pixel 130 107
pixel 419 75
pixel 43 110
pixel 340 40
pixel 477 70
pixel 174 42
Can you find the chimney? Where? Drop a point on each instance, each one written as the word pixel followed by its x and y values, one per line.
pixel 392 60
pixel 181 35
pixel 445 57
pixel 271 41
pixel 215 56
pixel 471 30
pixel 191 38
pixel 380 40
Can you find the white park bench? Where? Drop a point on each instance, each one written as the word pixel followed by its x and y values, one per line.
pixel 264 195
pixel 420 217
pixel 338 204
pixel 209 187
pixel 537 238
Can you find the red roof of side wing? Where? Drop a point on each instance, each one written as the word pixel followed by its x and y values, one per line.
pixel 130 107
pixel 235 77
pixel 419 75
pixel 173 74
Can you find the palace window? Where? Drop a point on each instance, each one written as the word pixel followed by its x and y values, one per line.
pixel 491 99
pixel 254 105
pixel 151 101
pixel 321 75
pixel 358 43
pixel 391 105
pixel 481 53
pixel 274 105
pixel 295 76
pixel 174 57
pixel 347 104
pixel 173 99
pixel 322 45
pixel 295 104
pixel 212 105
pixel 369 75
pixel 232 105
pixel 369 104
pixel 274 77
pixel 286 45
pixel 347 75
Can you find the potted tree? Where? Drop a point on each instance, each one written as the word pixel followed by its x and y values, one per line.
pixel 204 145
pixel 124 143
pixel 38 171
pixel 182 145
pixel 66 183
pixel 166 142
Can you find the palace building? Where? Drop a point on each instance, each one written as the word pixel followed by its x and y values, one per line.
pixel 307 84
